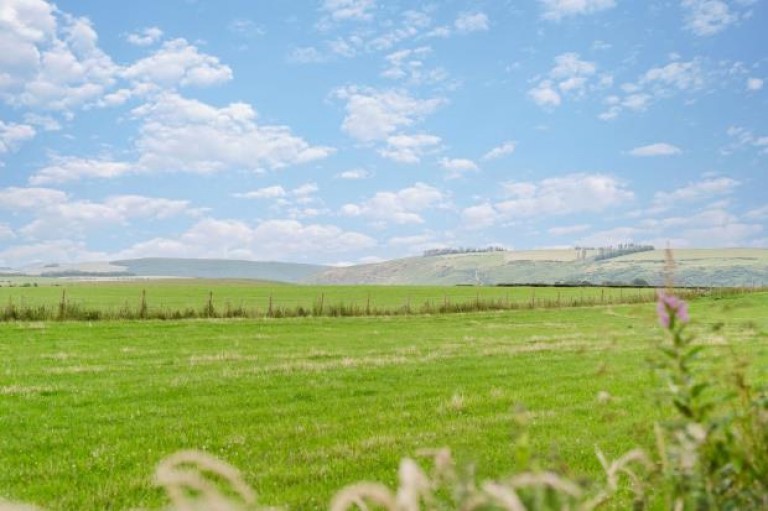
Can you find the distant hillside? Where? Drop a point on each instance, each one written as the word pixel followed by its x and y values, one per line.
pixel 718 267
pixel 220 269
pixel 180 268
pixel 705 267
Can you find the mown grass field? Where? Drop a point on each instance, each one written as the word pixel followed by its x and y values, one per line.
pixel 305 406
pixel 259 297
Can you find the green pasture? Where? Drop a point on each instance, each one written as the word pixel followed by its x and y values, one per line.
pixel 183 293
pixel 305 406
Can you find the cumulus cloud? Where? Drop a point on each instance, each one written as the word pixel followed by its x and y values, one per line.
pixel 657 149
pixel 62 169
pixel 54 214
pixel 268 240
pixel 743 138
pixel 708 17
pixel 401 207
pixel 481 215
pixel 355 174
pixel 269 192
pixel 409 148
pixel 754 84
pixel 6 233
pixel 60 251
pixel 571 193
pixel 471 22
pixel 50 60
pixel 545 95
pixel 344 10
pixel 568 229
pixel 457 167
pixel 307 55
pixel 12 135
pixel 177 62
pixel 713 226
pixel 409 65
pixel 556 10
pixel 563 195
pixel 500 151
pixel 145 37
pixel 373 114
pixel 696 191
pixel 180 134
pixel 569 77
pixel 676 77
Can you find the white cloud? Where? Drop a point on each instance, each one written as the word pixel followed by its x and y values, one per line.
pixel 355 174
pixel 12 135
pixel 307 55
pixel 708 17
pixel 471 22
pixel 482 215
pixel 571 193
pixel 696 191
pixel 570 76
pixel 62 169
pixel 754 84
pixel 269 192
pixel 19 199
pixel 408 65
pixel 711 227
pixel 545 95
pixel 55 215
pixel 659 82
pixel 50 60
pixel 657 149
pixel 268 240
pixel 409 148
pixel 305 190
pixel 568 229
pixel 500 151
pixel 678 75
pixel 760 213
pixel 245 28
pixel 373 115
pixel 564 195
pixel 186 135
pixel 145 37
pixel 46 122
pixel 558 9
pixel 401 207
pixel 177 62
pixel 344 10
pixel 457 167
pixel 59 251
pixel 412 24
pixel 744 138
pixel 6 233
pixel 610 237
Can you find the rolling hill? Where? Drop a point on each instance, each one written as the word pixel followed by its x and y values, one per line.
pixel 180 268
pixel 717 267
pixel 705 267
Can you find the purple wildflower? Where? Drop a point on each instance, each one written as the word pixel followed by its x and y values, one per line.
pixel 670 307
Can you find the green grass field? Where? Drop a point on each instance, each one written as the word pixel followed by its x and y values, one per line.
pixel 306 406
pixel 256 297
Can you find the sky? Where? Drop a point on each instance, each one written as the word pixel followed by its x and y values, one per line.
pixel 354 131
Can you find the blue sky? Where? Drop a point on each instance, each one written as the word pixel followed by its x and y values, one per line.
pixel 346 131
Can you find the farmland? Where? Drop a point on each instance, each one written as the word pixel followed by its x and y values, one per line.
pixel 306 405
pixel 177 299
